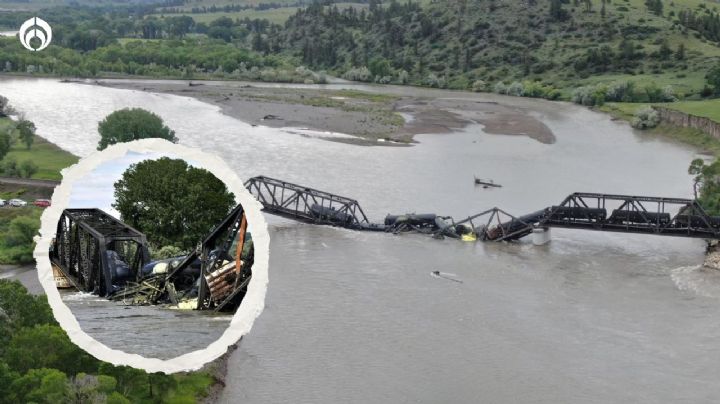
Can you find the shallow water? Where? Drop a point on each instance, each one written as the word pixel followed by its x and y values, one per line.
pixel 358 317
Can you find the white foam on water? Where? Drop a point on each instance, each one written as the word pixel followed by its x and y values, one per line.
pixel 697 279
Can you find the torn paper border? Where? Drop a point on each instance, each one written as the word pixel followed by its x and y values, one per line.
pixel 242 320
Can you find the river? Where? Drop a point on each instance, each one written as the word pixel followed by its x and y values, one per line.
pixel 357 317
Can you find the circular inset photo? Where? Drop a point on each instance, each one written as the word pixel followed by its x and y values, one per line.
pixel 154 255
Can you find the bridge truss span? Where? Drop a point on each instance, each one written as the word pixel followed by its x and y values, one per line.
pixel 307 204
pixel 633 214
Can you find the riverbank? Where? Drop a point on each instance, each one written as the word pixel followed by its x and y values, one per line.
pixel 371 113
pixel 689 136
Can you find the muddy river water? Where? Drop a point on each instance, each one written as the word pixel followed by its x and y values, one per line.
pixel 357 317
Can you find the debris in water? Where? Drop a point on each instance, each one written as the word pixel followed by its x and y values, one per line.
pixel 486 183
pixel 439 274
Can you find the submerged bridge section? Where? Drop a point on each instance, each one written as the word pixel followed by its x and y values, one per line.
pixel 588 211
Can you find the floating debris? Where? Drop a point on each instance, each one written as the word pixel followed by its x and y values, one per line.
pixel 439 274
pixel 487 183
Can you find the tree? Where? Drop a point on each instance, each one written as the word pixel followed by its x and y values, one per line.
pixel 40 386
pixel 18 239
pixel 179 26
pixel 171 202
pixel 557 13
pixel 707 181
pixel 28 168
pixel 26 131
pixel 46 346
pixel 127 125
pixel 680 52
pixel 5 143
pixel 5 108
pixel 713 78
pixel 22 308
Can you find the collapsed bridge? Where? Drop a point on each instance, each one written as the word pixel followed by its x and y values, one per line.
pixel 587 211
pixel 96 253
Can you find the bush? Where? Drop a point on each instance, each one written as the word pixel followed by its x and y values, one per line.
pixel 479 86
pixel 515 89
pixel 9 167
pixel 358 74
pixel 668 94
pixel 500 88
pixel 403 77
pixel 435 81
pixel 620 91
pixel 589 95
pixel 645 118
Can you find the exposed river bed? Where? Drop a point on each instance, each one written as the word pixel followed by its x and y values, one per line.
pixel 357 317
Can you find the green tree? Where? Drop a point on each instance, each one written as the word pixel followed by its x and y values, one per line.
pixel 28 168
pixel 5 143
pixel 713 78
pixel 557 12
pixel 46 346
pixel 680 52
pixel 707 180
pixel 22 308
pixel 18 239
pixel 5 108
pixel 40 386
pixel 171 202
pixel 26 132
pixel 7 376
pixel 127 125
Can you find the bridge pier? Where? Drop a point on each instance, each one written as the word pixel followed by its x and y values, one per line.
pixel 541 235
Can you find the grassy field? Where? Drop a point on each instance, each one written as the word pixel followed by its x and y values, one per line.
pixel 49 158
pixel 274 15
pixel 707 108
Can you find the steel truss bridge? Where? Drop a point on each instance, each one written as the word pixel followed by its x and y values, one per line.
pixel 88 246
pixel 588 211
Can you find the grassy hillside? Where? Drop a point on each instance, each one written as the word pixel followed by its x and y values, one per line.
pixel 560 43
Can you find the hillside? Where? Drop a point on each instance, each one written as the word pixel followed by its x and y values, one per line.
pixel 555 45
pixel 454 43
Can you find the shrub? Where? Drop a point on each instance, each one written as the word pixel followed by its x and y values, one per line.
pixel 435 81
pixel 620 91
pixel 500 88
pixel 589 95
pixel 645 118
pixel 668 94
pixel 479 86
pixel 358 74
pixel 515 89
pixel 403 77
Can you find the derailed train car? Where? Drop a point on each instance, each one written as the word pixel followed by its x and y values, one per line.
pixel 97 253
